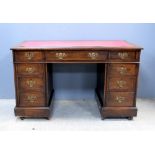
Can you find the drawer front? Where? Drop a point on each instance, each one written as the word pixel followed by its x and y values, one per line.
pixel 28 56
pixel 31 99
pixel 121 84
pixel 120 99
pixel 76 55
pixel 29 69
pixel 27 83
pixel 122 69
pixel 122 56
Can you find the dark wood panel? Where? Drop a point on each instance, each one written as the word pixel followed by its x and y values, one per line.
pixel 49 81
pixel 33 112
pixel 119 112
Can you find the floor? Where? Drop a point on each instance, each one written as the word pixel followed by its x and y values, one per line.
pixel 78 115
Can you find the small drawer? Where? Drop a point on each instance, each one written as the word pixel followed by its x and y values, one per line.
pixel 122 69
pixel 120 99
pixel 28 56
pixel 76 55
pixel 121 84
pixel 31 99
pixel 122 56
pixel 30 69
pixel 34 83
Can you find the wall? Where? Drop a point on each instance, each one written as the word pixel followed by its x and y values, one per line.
pixel 76 81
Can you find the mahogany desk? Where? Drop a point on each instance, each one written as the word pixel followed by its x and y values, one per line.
pixel 117 72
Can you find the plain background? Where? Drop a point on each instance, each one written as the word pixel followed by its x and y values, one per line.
pixel 74 81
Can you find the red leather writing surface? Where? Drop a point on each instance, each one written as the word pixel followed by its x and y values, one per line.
pixel 74 44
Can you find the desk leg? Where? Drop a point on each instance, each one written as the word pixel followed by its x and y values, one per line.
pixel 100 88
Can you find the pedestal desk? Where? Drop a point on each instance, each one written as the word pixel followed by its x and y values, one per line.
pixel 117 72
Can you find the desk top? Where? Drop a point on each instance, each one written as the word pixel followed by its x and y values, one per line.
pixel 81 44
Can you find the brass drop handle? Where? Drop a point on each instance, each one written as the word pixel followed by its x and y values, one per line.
pixel 119 99
pixel 31 83
pixel 61 55
pixel 121 83
pixel 29 55
pixel 31 98
pixel 123 55
pixel 122 70
pixel 30 69
pixel 93 55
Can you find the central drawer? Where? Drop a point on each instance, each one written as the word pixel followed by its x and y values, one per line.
pixel 76 55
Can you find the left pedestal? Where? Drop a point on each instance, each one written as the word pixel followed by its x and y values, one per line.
pixel 33 95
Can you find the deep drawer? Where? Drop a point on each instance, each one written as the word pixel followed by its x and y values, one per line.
pixel 28 56
pixel 121 84
pixel 31 99
pixel 76 55
pixel 34 83
pixel 120 99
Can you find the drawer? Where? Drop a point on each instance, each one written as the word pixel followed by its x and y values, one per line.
pixel 29 69
pixel 31 99
pixel 120 99
pixel 28 56
pixel 121 84
pixel 122 69
pixel 122 56
pixel 76 55
pixel 34 83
